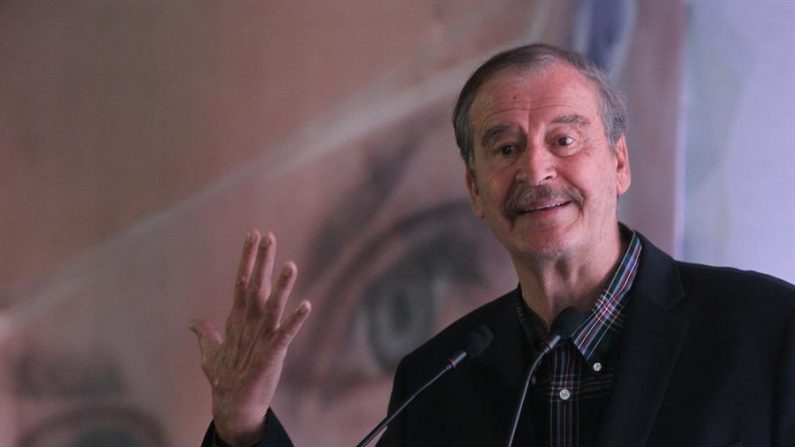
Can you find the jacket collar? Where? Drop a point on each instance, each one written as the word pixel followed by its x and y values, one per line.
pixel 648 350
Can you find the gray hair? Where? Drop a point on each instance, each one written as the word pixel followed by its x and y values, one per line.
pixel 532 58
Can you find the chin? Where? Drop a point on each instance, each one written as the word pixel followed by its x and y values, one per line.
pixel 540 247
pixel 536 238
pixel 546 249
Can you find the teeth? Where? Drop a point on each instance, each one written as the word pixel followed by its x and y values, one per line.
pixel 548 206
pixel 528 210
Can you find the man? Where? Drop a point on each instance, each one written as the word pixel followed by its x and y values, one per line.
pixel 668 353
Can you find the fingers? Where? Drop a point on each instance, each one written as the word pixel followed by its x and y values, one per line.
pixel 244 268
pixel 293 323
pixel 260 284
pixel 274 307
pixel 258 306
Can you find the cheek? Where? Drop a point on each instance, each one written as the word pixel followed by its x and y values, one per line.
pixel 597 185
pixel 495 190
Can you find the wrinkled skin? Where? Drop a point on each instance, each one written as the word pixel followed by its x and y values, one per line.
pixel 245 364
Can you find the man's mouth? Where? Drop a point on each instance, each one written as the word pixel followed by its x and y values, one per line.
pixel 539 200
pixel 544 207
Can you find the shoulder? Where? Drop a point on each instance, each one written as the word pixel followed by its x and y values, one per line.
pixel 728 283
pixel 715 302
pixel 667 281
pixel 723 303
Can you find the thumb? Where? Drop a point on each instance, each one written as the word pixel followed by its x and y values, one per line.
pixel 209 338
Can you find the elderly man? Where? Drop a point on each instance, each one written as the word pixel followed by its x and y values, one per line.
pixel 667 354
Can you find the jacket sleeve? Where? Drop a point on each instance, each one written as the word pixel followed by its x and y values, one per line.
pixel 275 435
pixel 784 434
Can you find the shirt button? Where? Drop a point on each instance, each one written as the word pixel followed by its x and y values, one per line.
pixel 597 366
pixel 565 394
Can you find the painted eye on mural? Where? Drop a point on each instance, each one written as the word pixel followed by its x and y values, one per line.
pixel 96 426
pixel 398 258
pixel 399 289
pixel 401 305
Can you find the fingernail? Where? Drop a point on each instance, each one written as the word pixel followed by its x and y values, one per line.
pixel 266 240
pixel 252 238
pixel 303 308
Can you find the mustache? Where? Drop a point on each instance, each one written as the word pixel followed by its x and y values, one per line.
pixel 524 197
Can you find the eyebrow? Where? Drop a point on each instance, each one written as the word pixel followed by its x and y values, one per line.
pixel 492 133
pixel 572 119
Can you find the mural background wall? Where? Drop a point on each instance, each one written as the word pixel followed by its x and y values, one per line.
pixel 140 141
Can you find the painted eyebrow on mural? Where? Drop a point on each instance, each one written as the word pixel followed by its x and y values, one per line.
pixel 361 204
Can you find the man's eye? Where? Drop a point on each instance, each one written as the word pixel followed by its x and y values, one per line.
pixel 565 141
pixel 507 149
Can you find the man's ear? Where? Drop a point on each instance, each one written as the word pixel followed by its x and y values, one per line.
pixel 474 193
pixel 623 172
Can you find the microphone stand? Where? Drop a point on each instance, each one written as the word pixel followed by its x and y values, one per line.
pixel 518 412
pixel 477 341
pixel 564 325
pixel 405 403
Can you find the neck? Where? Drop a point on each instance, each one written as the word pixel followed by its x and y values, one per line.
pixel 551 284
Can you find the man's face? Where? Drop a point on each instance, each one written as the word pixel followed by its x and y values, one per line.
pixel 544 175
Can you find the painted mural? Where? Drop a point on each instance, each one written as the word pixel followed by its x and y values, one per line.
pixel 141 141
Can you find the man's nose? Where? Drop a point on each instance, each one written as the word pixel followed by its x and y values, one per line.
pixel 536 165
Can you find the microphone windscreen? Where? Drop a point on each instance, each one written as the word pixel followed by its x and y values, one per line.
pixel 567 321
pixel 478 340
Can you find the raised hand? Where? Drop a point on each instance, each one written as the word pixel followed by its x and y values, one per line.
pixel 245 365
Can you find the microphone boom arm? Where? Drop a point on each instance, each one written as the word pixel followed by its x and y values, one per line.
pixel 450 365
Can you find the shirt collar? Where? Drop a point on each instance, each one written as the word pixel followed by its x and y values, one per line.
pixel 601 325
pixel 605 321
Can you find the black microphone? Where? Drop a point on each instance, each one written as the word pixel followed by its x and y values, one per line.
pixel 567 321
pixel 477 341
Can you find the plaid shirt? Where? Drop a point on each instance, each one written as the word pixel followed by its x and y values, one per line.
pixel 573 382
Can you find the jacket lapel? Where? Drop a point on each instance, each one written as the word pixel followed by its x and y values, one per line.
pixel 648 351
pixel 500 371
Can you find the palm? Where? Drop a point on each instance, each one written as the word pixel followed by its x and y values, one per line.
pixel 245 365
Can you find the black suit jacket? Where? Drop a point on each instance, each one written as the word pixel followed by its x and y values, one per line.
pixel 707 358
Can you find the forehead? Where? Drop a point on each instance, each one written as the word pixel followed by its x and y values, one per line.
pixel 534 96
